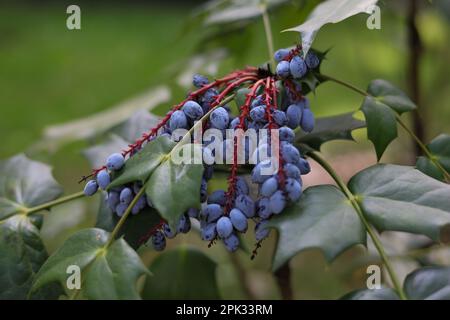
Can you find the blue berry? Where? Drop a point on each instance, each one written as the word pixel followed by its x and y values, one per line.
pixel 234 123
pixel 212 212
pixel 126 195
pixel 208 172
pixel 209 232
pixel 241 186
pixel 311 60
pixel 159 241
pixel 231 243
pixel 263 208
pixel 261 230
pixel 184 225
pixel 258 114
pixel 258 174
pixel 139 205
pixel 113 200
pixel 203 190
pixel 290 153
pixel 208 157
pixel 283 69
pixel 292 171
pixel 103 179
pixel 297 67
pixel 279 117
pixel 277 202
pixel 90 188
pixel 192 110
pixel 193 212
pixel 121 208
pixel 239 220
pixel 115 162
pixel 307 122
pixel 280 54
pixel 246 205
pixel 303 165
pixel 168 232
pixel 286 134
pixel 199 80
pixel 219 118
pixel 178 120
pixel 294 189
pixel 269 187
pixel 293 115
pixel 224 227
pixel 218 197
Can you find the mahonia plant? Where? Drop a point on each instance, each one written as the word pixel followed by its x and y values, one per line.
pixel 268 102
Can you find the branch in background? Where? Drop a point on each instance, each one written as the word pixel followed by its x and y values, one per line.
pixel 415 52
pixel 283 277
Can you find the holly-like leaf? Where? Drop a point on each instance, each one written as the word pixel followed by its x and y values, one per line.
pixel 142 164
pixel 136 227
pixel 429 283
pixel 439 148
pixel 338 127
pixel 174 187
pixel 401 198
pixel 24 184
pixel 183 273
pixel 386 93
pixel 372 294
pixel 330 11
pixel 322 219
pixel 381 124
pixel 380 108
pixel 106 272
pixel 21 255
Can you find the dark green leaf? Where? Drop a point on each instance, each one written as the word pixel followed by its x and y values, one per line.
pixel 401 198
pixel 175 187
pixel 25 183
pixel 375 294
pixel 21 255
pixel 183 273
pixel 106 273
pixel 338 127
pixel 142 164
pixel 429 283
pixel 386 93
pixel 439 147
pixel 322 219
pixel 135 228
pixel 381 124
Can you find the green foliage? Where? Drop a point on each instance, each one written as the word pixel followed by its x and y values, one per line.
pixel 23 184
pixel 326 129
pixel 183 273
pixel 401 198
pixel 107 272
pixel 439 148
pixel 136 227
pixel 323 219
pixel 380 108
pixel 429 283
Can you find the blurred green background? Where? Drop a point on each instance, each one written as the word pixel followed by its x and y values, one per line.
pixel 50 75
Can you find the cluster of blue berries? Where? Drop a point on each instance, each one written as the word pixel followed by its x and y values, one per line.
pixel 226 214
